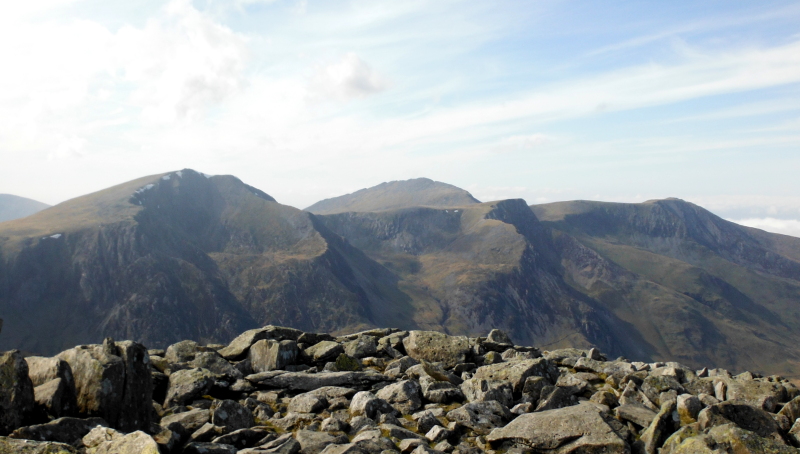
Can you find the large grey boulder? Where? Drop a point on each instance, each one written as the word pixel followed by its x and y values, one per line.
pixel 266 355
pixel 481 390
pixel 745 416
pixel 367 404
pixel 482 417
pixel 215 363
pixel 516 372
pixel 637 414
pixel 103 440
pixel 239 347
pixel 184 351
pixel 54 386
pixel 187 385
pixel 578 429
pixel 41 370
pixel 63 430
pixel 190 420
pixel 307 403
pixel 433 346
pixel 313 442
pixel 405 395
pixel 324 351
pixel 113 382
pixel 231 415
pixel 361 347
pixel 16 392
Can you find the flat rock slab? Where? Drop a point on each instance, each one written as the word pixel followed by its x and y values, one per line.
pixel 637 414
pixel 11 445
pixel 307 382
pixel 580 428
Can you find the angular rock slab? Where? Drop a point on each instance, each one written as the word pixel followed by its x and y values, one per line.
pixel 437 347
pixel 581 428
pixel 307 382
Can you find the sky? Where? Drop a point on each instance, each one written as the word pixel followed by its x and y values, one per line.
pixel 543 100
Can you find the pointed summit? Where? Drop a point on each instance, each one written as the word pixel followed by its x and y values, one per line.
pixel 394 195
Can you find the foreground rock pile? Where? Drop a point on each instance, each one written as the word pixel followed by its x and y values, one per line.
pixel 279 390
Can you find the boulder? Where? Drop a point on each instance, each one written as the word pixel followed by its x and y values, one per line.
pixel 183 351
pixel 405 396
pixel 481 417
pixel 313 442
pixel 637 414
pixel 188 384
pixel 208 448
pixel 231 415
pixel 41 370
pixel 578 429
pixel 63 430
pixel 757 393
pixel 516 372
pixel 56 398
pixel 16 392
pixel 367 404
pixel 268 354
pixel 347 448
pixel 190 420
pixel 437 347
pixel 361 347
pixel 104 440
pixel 728 438
pixel 242 438
pixel 113 382
pixel 324 351
pixel 745 416
pixel 215 363
pixel 15 446
pixel 481 390
pixel 307 403
pixel 663 425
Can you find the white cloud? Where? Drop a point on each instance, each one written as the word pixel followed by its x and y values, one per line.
pixel 350 77
pixel 783 226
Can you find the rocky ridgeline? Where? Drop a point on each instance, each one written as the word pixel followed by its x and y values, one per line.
pixel 279 390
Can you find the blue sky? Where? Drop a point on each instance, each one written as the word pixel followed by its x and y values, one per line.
pixel 543 100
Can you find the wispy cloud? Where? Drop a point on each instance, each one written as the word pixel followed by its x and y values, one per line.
pixel 783 226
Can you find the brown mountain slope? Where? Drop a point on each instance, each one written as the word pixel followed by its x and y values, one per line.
pixel 176 256
pixel 394 195
pixel 698 288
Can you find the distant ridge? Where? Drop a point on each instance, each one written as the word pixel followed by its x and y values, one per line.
pixel 15 207
pixel 395 195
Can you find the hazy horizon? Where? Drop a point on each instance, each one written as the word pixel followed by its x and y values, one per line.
pixel 545 101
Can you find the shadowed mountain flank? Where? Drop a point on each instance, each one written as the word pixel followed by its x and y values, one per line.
pixel 697 287
pixel 179 255
pixel 15 207
pixel 394 195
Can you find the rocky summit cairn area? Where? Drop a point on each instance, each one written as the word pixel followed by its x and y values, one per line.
pixel 383 391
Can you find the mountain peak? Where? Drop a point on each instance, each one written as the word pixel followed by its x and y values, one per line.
pixel 396 194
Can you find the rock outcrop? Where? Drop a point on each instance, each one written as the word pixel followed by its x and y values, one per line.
pixel 282 391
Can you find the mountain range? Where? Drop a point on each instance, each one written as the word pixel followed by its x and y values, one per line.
pixel 15 207
pixel 185 255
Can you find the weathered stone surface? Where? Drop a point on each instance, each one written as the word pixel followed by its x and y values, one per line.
pixel 361 347
pixel 398 432
pixel 231 415
pixel 113 382
pixel 238 347
pixel 183 351
pixel 308 403
pixel 54 386
pixel 268 354
pixel 308 382
pixel 15 446
pixel 689 407
pixel 442 392
pixel 663 425
pixel 482 417
pixel 405 395
pixel 729 438
pixel 104 440
pixel 436 347
pixel 516 372
pixel 215 363
pixel 190 420
pixel 758 393
pixel 324 351
pixel 577 429
pixel 791 409
pixel 186 385
pixel 553 397
pixel 367 404
pixel 312 442
pixel 347 363
pixel 16 392
pixel 744 416
pixel 481 390
pixel 64 430
pixel 637 414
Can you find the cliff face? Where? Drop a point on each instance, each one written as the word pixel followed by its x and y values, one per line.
pixel 178 256
pixel 698 288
